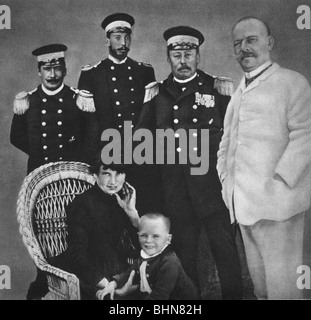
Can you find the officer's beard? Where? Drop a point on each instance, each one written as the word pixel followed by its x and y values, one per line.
pixel 120 54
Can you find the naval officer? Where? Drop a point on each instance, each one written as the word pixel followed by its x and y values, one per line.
pixel 52 123
pixel 120 86
pixel 188 100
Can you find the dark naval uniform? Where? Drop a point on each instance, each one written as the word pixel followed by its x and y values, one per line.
pixel 53 128
pixel 119 91
pixel 194 200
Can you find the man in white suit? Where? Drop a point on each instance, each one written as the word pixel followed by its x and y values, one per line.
pixel 264 161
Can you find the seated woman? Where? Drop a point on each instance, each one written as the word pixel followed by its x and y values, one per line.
pixel 102 229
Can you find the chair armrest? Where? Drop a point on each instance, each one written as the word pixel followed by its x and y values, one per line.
pixel 62 285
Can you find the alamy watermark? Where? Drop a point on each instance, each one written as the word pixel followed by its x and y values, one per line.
pixel 5 277
pixel 170 147
pixel 5 17
pixel 304 280
pixel 304 20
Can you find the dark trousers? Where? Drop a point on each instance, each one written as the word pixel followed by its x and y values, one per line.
pixel 220 235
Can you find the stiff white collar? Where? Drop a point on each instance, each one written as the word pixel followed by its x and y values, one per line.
pixel 116 61
pixel 258 70
pixel 50 92
pixel 186 80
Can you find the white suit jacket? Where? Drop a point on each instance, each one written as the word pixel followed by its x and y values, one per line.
pixel 265 153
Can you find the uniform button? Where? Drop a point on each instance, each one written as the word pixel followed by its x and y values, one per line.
pixel 176 121
pixel 200 83
pixel 117 103
pixel 59 123
pixel 119 114
pixel 112 67
pixel 60 146
pixel 60 111
pixel 195 120
pixel 114 79
pixel 178 149
pixel 132 102
pixel 60 135
pixel 130 78
pixel 43 124
pixel 211 121
pixel 60 100
pixel 132 126
pixel 175 107
pixel 176 135
pixel 44 100
pixel 45 147
pixel 133 114
pixel 195 149
pixel 147 275
pixel 120 126
pixel 195 134
pixel 43 111
pixel 132 89
pixel 115 90
pixel 183 89
pixel 44 135
pixel 239 143
pixel 60 158
pixel 195 107
pixel 46 158
pixel 129 67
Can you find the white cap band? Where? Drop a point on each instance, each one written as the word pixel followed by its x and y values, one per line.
pixel 50 56
pixel 114 24
pixel 181 39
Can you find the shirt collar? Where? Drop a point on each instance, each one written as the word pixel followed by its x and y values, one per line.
pixel 50 92
pixel 116 61
pixel 258 70
pixel 186 80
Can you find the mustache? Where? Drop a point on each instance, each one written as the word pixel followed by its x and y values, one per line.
pixel 247 55
pixel 123 49
pixel 184 68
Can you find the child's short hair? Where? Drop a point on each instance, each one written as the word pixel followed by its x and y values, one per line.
pixel 157 215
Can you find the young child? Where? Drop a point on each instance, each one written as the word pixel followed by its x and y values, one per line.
pixel 159 272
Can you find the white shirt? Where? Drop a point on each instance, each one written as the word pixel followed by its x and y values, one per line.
pixel 52 92
pixel 116 61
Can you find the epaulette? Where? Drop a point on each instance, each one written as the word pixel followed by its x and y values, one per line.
pixel 145 64
pixel 85 101
pixel 89 66
pixel 152 89
pixel 223 85
pixel 21 102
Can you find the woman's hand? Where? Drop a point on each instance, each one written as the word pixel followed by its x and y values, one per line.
pixel 129 287
pixel 128 203
pixel 109 289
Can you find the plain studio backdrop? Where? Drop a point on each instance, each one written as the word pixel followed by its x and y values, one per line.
pixel 76 23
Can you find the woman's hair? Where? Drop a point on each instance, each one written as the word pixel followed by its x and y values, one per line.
pixel 118 167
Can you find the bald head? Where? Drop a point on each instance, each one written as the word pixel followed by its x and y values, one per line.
pixel 248 18
pixel 252 43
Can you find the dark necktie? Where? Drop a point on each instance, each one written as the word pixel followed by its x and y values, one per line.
pixel 250 80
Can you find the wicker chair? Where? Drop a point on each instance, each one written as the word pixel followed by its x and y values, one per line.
pixel 42 219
